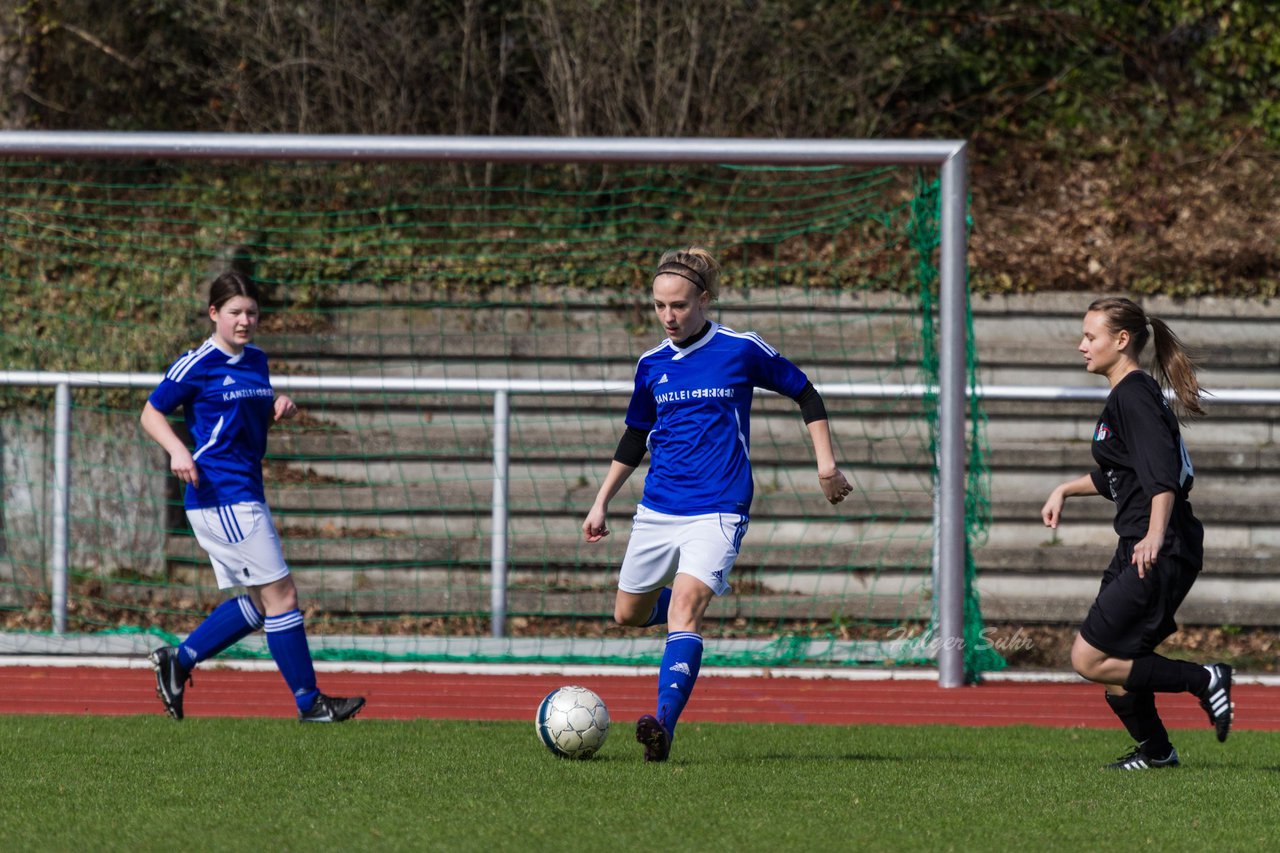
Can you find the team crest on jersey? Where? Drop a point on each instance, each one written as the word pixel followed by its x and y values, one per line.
pixel 1103 432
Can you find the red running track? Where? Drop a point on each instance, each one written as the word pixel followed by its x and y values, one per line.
pixel 410 695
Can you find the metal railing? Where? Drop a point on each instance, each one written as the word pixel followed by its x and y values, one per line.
pixel 502 390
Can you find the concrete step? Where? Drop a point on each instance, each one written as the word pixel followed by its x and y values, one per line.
pixel 1248 455
pixel 1098 533
pixel 394 489
pixel 555 543
pixel 437 538
pixel 776 428
pixel 1213 601
pixel 1088 561
pixel 1049 375
pixel 555 332
pixel 778 434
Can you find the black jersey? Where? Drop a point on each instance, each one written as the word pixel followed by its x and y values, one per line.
pixel 1139 450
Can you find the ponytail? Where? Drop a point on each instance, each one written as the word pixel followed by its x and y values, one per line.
pixel 1175 369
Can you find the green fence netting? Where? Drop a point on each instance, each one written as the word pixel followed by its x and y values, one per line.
pixel 535 272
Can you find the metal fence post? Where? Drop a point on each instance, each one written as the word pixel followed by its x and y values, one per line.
pixel 60 506
pixel 498 561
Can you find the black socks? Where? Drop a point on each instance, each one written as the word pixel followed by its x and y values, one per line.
pixel 1157 674
pixel 1138 713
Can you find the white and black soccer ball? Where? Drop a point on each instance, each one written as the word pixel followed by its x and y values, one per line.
pixel 572 722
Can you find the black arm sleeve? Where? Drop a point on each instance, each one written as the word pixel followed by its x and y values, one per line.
pixel 811 405
pixel 631 447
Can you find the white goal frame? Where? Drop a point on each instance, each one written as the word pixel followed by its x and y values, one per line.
pixel 948 156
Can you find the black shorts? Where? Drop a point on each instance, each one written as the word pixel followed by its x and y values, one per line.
pixel 1132 615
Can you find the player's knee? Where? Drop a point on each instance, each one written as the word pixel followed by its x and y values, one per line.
pixel 686 613
pixel 1084 663
pixel 627 618
pixel 279 596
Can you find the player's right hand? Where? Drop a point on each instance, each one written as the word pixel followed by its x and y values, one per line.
pixel 1051 512
pixel 184 468
pixel 835 487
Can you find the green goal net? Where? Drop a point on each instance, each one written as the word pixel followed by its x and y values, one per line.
pixel 474 273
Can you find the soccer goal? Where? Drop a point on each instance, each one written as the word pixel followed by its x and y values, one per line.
pixel 459 320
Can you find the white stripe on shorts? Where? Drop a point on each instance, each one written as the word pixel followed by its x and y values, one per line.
pixel 241 542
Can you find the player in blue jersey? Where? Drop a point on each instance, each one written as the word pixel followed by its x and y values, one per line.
pixel 691 410
pixel 1143 467
pixel 224 389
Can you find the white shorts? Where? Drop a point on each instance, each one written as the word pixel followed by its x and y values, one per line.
pixel 662 546
pixel 242 543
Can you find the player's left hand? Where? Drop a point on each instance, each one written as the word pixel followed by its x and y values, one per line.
pixel 1145 554
pixel 835 486
pixel 285 408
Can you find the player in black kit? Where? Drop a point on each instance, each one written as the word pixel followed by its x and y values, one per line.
pixel 1144 468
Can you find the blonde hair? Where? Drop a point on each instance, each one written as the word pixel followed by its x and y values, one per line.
pixel 698 266
pixel 1173 366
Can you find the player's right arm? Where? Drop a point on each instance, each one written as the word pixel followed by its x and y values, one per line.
pixel 156 425
pixel 641 415
pixel 596 527
pixel 1051 512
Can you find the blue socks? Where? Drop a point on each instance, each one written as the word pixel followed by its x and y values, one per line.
pixel 237 618
pixel 230 622
pixel 681 661
pixel 287 640
pixel 658 616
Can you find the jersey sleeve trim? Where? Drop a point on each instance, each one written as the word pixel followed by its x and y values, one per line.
pixel 184 364
pixel 750 336
pixel 659 348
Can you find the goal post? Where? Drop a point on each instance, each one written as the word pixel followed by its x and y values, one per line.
pixel 950 559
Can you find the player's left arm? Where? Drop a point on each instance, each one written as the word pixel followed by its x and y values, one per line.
pixel 778 374
pixel 1148 548
pixel 834 484
pixel 814 411
pixel 1156 460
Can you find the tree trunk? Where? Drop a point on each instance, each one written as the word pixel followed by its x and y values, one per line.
pixel 15 69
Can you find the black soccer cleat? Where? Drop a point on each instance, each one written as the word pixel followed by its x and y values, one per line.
pixel 331 709
pixel 652 735
pixel 1136 759
pixel 1216 700
pixel 172 679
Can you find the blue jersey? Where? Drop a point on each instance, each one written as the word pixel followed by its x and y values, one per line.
pixel 696 404
pixel 228 405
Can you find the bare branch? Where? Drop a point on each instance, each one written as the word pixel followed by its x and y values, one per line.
pixel 90 38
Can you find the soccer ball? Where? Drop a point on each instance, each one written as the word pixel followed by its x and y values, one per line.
pixel 572 722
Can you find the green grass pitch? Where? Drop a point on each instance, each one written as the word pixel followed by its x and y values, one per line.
pixel 148 783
